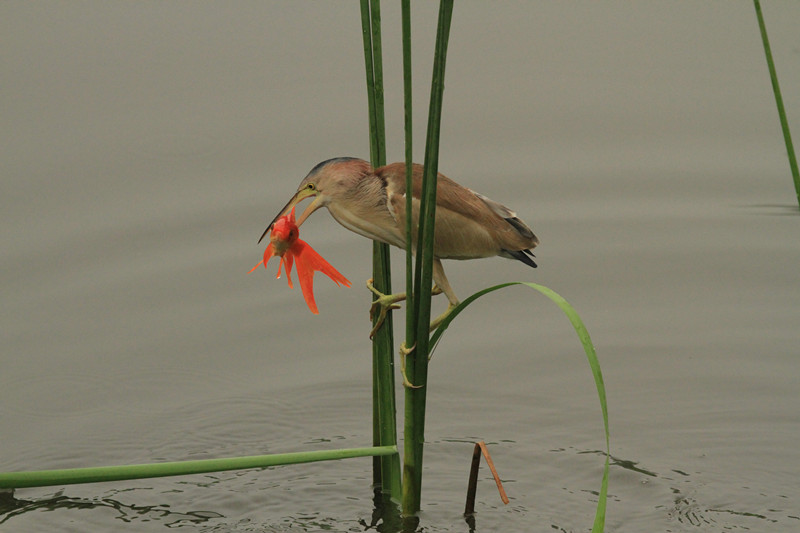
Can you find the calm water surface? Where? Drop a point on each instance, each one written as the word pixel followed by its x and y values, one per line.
pixel 145 146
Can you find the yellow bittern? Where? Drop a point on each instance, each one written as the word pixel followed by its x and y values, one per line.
pixel 372 203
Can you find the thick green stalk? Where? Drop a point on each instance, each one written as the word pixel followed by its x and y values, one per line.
pixel 773 74
pixel 369 13
pixel 46 478
pixel 386 470
pixel 417 363
pixel 366 32
pixel 411 322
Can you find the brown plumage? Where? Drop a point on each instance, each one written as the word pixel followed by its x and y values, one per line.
pixel 371 202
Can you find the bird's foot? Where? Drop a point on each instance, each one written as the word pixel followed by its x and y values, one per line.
pixel 439 319
pixel 403 353
pixel 382 304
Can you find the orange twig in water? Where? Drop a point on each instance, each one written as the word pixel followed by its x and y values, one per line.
pixel 472 488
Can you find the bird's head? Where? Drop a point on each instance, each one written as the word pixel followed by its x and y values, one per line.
pixel 327 182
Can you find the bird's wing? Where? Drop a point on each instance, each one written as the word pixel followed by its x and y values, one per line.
pixel 509 216
pixel 468 223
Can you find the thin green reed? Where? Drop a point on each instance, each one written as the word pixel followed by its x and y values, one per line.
pixel 773 74
pixel 386 469
pixel 417 363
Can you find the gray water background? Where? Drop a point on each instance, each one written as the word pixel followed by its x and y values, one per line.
pixel 146 145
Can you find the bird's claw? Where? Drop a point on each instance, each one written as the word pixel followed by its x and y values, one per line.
pixel 381 316
pixel 382 304
pixel 403 353
pixel 386 302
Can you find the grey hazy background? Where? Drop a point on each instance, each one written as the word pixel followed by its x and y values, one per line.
pixel 145 146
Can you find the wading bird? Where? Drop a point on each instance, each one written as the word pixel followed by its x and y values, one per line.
pixel 372 203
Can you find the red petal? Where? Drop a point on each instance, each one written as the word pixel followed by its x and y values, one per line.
pixel 305 273
pixel 316 262
pixel 309 261
pixel 268 253
pixel 288 259
pixel 267 256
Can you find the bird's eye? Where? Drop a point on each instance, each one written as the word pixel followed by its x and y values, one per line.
pixel 311 186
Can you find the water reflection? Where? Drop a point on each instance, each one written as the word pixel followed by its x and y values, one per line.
pixel 12 507
pixel 677 496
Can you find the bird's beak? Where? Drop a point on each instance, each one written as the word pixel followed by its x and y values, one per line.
pixel 313 206
pixel 296 199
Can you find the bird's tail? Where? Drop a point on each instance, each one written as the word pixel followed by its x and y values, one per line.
pixel 522 255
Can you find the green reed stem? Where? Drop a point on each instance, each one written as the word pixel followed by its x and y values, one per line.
pixel 411 315
pixel 46 478
pixel 417 362
pixel 773 74
pixel 386 470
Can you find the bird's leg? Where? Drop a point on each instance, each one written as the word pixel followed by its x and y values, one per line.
pixel 383 303
pixel 403 353
pixel 444 286
pixel 439 319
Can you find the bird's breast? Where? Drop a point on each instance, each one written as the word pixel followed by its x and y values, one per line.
pixel 377 226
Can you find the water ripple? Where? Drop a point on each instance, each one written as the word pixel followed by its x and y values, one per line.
pixel 65 395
